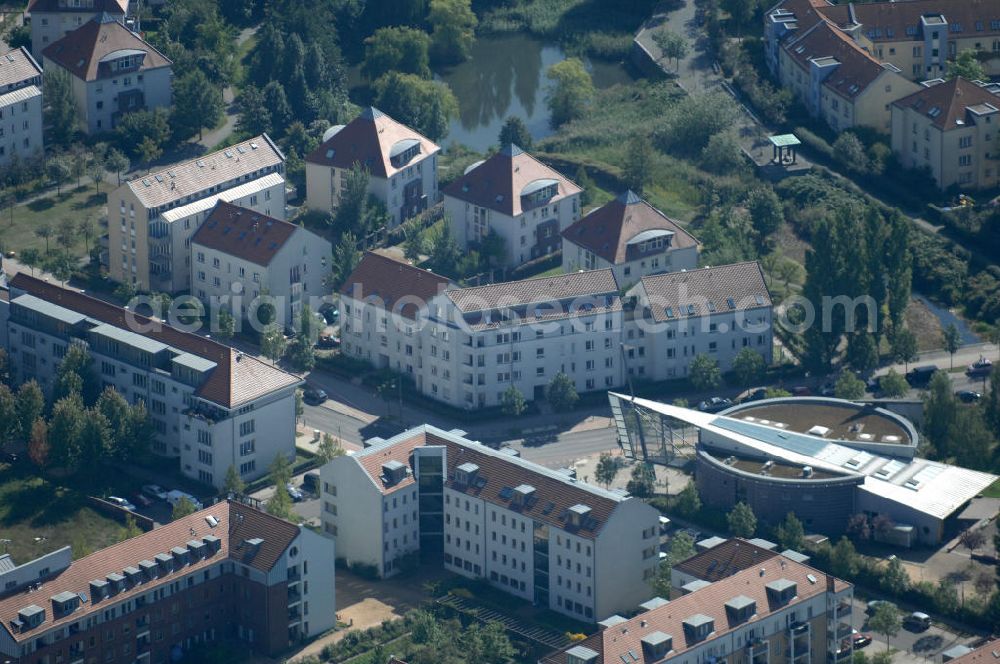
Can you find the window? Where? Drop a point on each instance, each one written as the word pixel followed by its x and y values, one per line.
pixel 965 142
pixel 247 427
pixel 248 467
pixel 965 160
pixel 248 447
pixel 204 437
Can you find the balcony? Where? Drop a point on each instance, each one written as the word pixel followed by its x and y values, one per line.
pixel 843 631
pixel 843 610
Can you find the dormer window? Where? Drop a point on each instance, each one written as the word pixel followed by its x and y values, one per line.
pixel 31 616
pixel 740 609
pixel 465 474
pixel 579 515
pixel 64 604
pixel 782 591
pixel 698 627
pixel 524 496
pixel 656 645
pixel 393 472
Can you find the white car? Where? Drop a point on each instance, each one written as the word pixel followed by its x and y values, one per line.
pixel 174 496
pixel 154 491
pixel 121 502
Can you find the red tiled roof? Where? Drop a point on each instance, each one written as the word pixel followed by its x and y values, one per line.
pixel 110 6
pixel 371 461
pixel 729 558
pixel 888 21
pixel 80 52
pixel 369 140
pixel 236 379
pixel 243 233
pixel 743 283
pixel 614 643
pixel 807 12
pixel 607 230
pixel 236 523
pixel 946 103
pixel 497 183
pixel 988 652
pixel 390 281
pixel 857 69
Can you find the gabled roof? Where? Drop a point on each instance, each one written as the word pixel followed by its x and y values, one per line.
pixel 707 290
pixel 236 379
pixel 390 281
pixel 854 69
pixel 534 291
pixel 235 523
pixel 82 51
pixel 607 231
pixel 806 12
pixel 195 177
pixel 901 21
pixel 614 644
pixel 371 139
pixel 243 233
pixel 946 103
pixel 110 6
pixel 499 182
pixel 16 67
pixel 724 560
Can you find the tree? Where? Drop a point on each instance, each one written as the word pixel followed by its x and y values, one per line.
pixel 587 184
pixel 143 133
pixel 85 227
pixel 849 386
pixel 182 508
pixel 638 170
pixel 116 161
pixel 254 115
pixel 904 347
pixel 607 470
pixel 29 404
pixel 301 354
pixel 643 480
pixel 453 29
pixel 704 373
pixel 512 402
pixel 742 521
pixel 58 171
pixel 893 385
pixel 844 559
pixel 849 151
pixel 766 214
pixel 672 45
pixel 95 171
pixel 233 483
pixel 748 365
pixel 276 102
pixel 66 431
pixel 680 548
pixel 966 65
pixel 78 360
pixel 972 539
pixel 571 93
pixel 426 105
pixel 741 11
pixel 940 413
pixel 414 245
pixel 952 341
pixel 273 343
pixel 149 151
pixel 226 325
pixel 345 258
pixel 894 579
pixel 280 474
pixel 688 500
pixel 32 258
pixel 38 445
pixel 561 393
pixel 971 442
pixel 885 621
pixel 790 533
pixel 329 448
pixel 515 132
pixel 10 428
pixel 197 104
pixel 44 232
pixel 397 48
pixel 60 110
pixel 445 254
pixel 862 351
pixel 131 529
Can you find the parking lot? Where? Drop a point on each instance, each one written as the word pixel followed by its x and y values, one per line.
pixel 913 645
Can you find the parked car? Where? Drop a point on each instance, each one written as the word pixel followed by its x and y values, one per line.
pixel 756 394
pixel 917 621
pixel 828 389
pixel 968 396
pixel 714 405
pixel 154 491
pixel 921 376
pixel 861 639
pixel 327 341
pixel 310 482
pixel 979 368
pixel 141 500
pixel 873 605
pixel 121 502
pixel 330 314
pixel 294 493
pixel 873 384
pixel 174 496
pixel 801 391
pixel 314 396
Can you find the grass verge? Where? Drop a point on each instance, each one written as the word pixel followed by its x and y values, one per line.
pixel 71 206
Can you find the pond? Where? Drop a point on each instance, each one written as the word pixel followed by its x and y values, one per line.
pixel 506 75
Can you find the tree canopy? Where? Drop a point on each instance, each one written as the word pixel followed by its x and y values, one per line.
pixel 427 106
pixel 572 91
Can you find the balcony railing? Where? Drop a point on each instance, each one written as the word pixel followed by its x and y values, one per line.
pixel 843 610
pixel 799 628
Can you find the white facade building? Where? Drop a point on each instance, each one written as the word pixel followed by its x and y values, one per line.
pixel 51 20
pixel 631 237
pixel 516 196
pixel 211 406
pixel 537 534
pixel 467 346
pixel 237 251
pixel 112 72
pixel 20 106
pixel 151 219
pixel 401 165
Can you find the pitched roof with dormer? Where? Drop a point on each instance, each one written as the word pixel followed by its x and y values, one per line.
pixel 102 40
pixel 948 104
pixel 17 68
pixel 389 281
pixel 503 181
pixel 609 230
pixel 854 69
pixel 705 291
pixel 244 234
pixel 376 142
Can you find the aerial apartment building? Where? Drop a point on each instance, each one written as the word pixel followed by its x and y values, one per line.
pixel 112 71
pixel 211 406
pixel 242 252
pixel 779 611
pixel 401 164
pixel 631 237
pixel 51 20
pixel 537 534
pixel 20 106
pixel 226 573
pixel 467 346
pixel 152 218
pixel 512 194
pixel 950 128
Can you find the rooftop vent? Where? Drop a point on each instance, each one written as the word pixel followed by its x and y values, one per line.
pixel 611 621
pixel 654 603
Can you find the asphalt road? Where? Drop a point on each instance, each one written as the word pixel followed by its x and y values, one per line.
pixel 926 644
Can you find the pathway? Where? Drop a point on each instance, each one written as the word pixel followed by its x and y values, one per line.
pixel 212 138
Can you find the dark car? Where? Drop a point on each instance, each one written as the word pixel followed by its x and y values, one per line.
pixel 861 639
pixel 979 368
pixel 756 395
pixel 314 396
pixel 310 482
pixel 801 391
pixel 328 341
pixel 330 314
pixel 714 405
pixel 968 396
pixel 920 376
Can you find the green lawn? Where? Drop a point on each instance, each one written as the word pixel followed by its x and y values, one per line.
pixel 72 205
pixel 993 490
pixel 39 516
